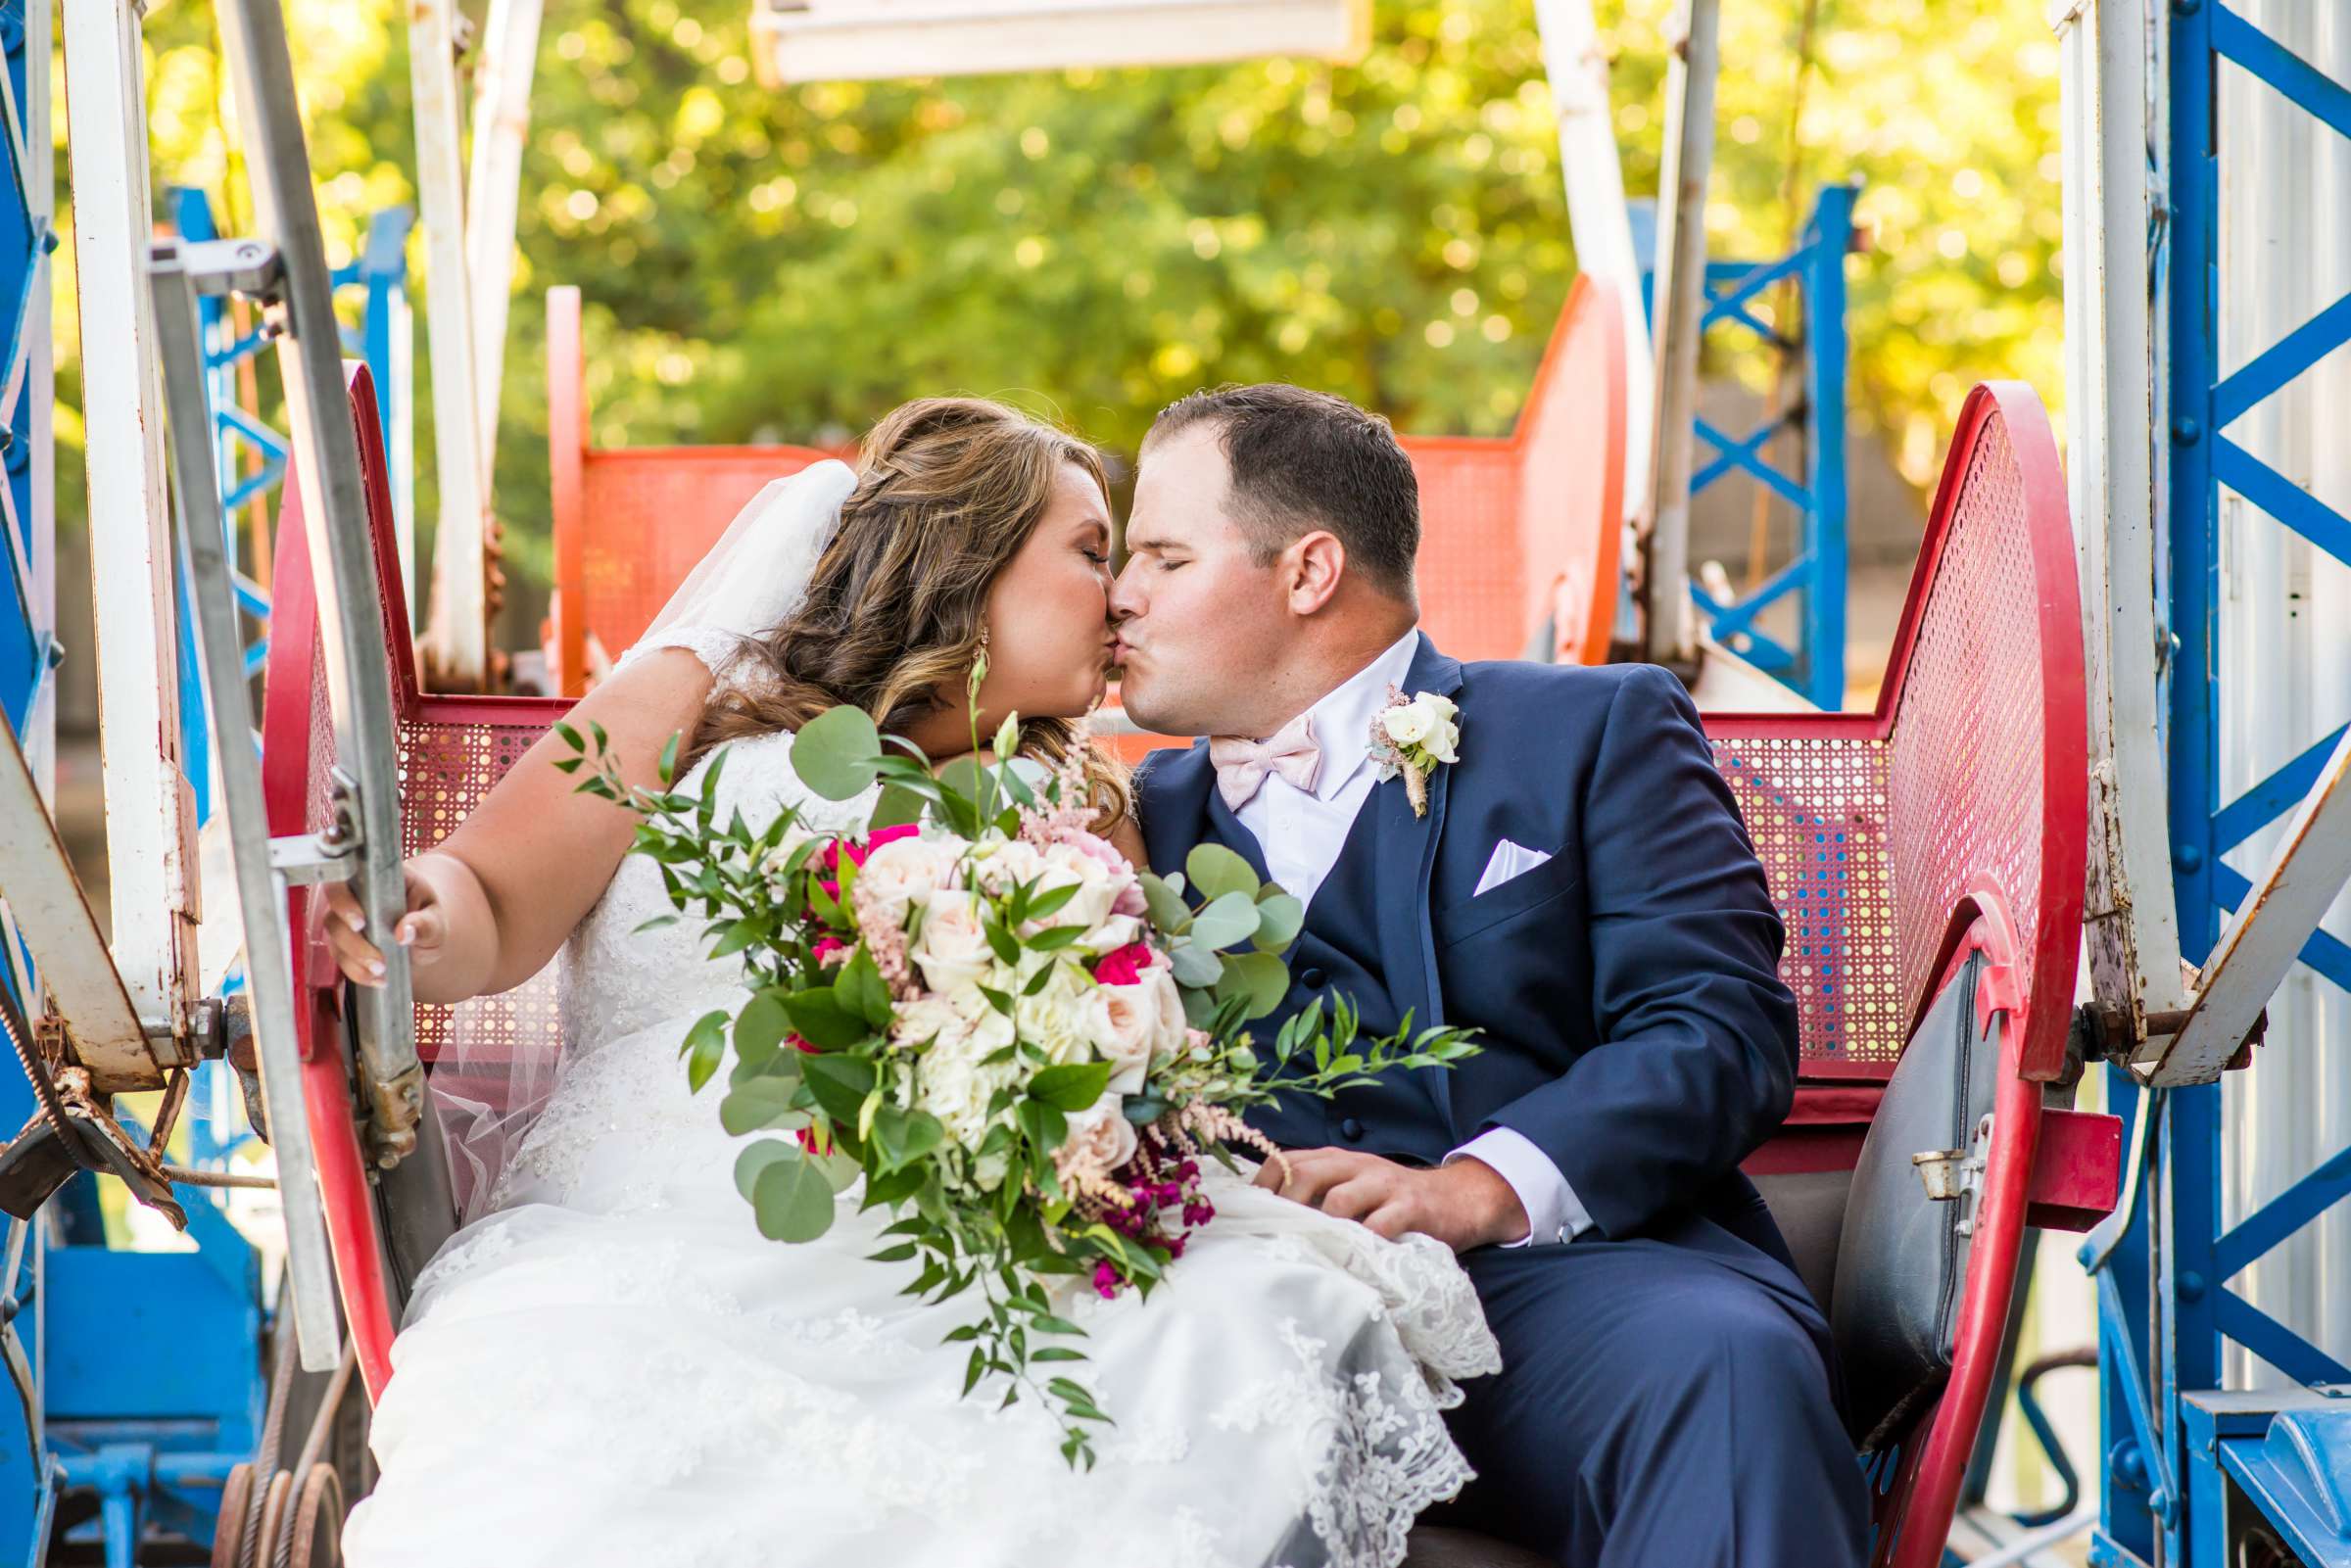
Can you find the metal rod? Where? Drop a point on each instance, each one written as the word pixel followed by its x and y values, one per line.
pixel 262 897
pixel 456 633
pixel 1670 631
pixel 1597 216
pixel 326 457
pixel 185 1176
pixel 502 118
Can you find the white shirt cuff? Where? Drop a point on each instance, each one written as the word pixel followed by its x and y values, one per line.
pixel 1554 1211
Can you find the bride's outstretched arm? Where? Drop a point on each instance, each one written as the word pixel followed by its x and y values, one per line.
pixel 490 903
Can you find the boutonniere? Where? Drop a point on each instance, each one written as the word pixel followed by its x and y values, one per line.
pixel 1412 737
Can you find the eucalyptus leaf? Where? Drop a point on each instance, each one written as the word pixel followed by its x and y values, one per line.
pixel 1216 871
pixel 1167 909
pixel 1280 919
pixel 1195 965
pixel 837 752
pixel 792 1201
pixel 1260 978
pixel 760 1103
pixel 1228 919
pixel 757 1157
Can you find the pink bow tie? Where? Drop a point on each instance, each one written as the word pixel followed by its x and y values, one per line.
pixel 1243 765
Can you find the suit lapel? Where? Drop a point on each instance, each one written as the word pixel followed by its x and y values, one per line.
pixel 1173 797
pixel 1185 809
pixel 1407 860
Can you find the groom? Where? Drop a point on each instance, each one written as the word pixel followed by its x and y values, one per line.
pixel 1580 892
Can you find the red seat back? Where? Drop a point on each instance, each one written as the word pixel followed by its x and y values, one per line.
pixel 1518 530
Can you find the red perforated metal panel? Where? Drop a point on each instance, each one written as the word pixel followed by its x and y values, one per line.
pixel 1815 807
pixel 1964 792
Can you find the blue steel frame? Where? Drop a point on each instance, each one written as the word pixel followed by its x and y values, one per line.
pixel 2176 1451
pixel 1815 665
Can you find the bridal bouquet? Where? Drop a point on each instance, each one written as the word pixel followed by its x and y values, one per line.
pixel 1025 1048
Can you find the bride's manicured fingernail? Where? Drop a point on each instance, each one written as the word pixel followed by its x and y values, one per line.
pixel 375 967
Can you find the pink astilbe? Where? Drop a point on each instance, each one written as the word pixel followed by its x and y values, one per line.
pixel 886 941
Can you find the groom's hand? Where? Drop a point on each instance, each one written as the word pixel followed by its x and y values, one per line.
pixel 1463 1205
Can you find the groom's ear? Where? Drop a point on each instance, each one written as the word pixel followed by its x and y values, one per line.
pixel 1314 564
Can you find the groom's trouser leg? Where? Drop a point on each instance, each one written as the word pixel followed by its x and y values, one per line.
pixel 1659 1406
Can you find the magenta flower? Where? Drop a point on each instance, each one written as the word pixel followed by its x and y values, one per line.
pixel 1125 966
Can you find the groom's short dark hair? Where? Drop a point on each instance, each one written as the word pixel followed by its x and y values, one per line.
pixel 1306 459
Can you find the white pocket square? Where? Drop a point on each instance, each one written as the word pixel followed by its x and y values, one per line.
pixel 1508 861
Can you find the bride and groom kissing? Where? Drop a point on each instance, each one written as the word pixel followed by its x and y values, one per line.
pixel 1531 1296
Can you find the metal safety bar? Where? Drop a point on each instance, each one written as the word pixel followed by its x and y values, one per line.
pixel 326 458
pixel 177 273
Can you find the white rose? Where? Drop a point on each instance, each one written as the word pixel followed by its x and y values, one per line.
pixel 927 1022
pixel 1114 932
pixel 1171 1031
pixel 1101 1139
pixel 1057 1022
pixel 997 866
pixel 1407 726
pixel 906 870
pixel 1097 887
pixel 951 949
pixel 953 1084
pixel 1123 1023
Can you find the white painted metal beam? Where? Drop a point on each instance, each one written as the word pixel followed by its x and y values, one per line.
pixel 1595 210
pixel 1681 277
pixel 2306 874
pixel 457 632
pixel 502 120
pixel 150 810
pixel 2133 926
pixel 102 1029
pixel 834 40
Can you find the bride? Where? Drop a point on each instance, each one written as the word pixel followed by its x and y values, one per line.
pixel 611 1365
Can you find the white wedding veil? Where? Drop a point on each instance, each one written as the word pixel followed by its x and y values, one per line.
pixel 502 1055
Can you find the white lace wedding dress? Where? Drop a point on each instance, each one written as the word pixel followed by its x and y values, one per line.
pixel 614 1367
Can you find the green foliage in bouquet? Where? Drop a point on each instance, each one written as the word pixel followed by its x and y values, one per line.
pixel 1020 1045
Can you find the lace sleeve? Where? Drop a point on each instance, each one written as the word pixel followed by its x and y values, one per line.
pixel 722 652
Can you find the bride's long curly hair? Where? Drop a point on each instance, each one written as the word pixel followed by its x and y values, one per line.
pixel 948 490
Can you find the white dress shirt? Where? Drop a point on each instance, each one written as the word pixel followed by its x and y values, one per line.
pixel 1302 832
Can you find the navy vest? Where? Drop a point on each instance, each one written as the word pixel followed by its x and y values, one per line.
pixel 1337 954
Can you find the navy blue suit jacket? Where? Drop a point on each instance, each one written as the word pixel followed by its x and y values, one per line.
pixel 1627 992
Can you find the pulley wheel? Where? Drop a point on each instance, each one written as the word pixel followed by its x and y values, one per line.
pixel 276 1503
pixel 318 1521
pixel 236 1496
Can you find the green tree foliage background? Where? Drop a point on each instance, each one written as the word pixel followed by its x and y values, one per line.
pixel 763 265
